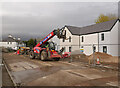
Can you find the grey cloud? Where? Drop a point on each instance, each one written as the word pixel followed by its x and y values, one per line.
pixel 38 19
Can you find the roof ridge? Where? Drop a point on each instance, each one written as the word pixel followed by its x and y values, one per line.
pixel 95 28
pixel 71 26
pixel 100 23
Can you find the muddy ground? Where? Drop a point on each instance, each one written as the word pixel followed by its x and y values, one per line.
pixel 33 72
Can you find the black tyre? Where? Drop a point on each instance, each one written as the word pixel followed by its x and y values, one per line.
pixel 38 56
pixel 32 55
pixel 56 59
pixel 43 55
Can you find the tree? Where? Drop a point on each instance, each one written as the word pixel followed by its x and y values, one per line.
pixel 104 18
pixel 25 42
pixel 35 41
pixel 31 43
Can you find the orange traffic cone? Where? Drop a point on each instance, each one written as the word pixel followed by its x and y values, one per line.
pixel 98 61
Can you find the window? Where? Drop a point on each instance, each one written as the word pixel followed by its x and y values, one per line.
pixel 105 49
pixel 69 49
pixel 82 39
pixel 82 46
pixel 69 38
pixel 102 36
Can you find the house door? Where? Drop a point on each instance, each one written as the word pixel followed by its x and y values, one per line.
pixel 105 49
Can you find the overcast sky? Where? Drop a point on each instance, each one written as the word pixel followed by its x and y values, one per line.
pixel 35 19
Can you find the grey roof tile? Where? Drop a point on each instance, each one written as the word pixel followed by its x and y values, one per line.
pixel 95 28
pixel 74 30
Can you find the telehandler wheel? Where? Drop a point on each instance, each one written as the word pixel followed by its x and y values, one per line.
pixel 38 56
pixel 32 55
pixel 43 55
pixel 56 59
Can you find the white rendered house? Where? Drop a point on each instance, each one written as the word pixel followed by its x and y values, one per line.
pixel 101 37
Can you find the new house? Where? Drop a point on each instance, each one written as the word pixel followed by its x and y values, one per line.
pixel 101 37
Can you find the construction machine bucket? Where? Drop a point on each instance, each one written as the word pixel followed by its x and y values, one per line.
pixel 61 33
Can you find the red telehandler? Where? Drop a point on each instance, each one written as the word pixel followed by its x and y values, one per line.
pixel 46 50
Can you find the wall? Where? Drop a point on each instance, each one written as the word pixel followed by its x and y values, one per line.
pixel 114 40
pixel 88 42
pixel 105 42
pixel 110 40
pixel 74 44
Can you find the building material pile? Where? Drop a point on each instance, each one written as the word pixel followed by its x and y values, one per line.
pixel 103 57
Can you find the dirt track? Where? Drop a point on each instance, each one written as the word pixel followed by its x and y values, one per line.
pixel 29 72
